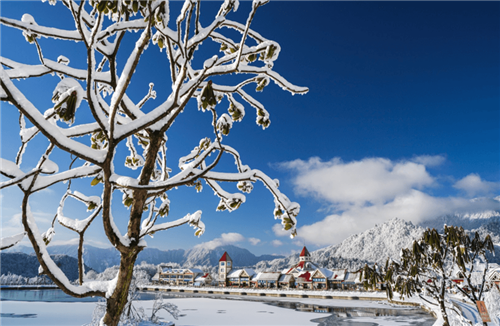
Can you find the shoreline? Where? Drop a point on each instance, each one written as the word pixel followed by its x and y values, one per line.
pixel 29 287
pixel 300 294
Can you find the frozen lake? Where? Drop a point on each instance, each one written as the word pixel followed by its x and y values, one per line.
pixel 53 307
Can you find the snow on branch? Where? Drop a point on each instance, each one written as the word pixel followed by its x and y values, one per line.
pixel 49 130
pixel 49 266
pixel 76 224
pixel 10 169
pixel 121 26
pixel 193 219
pixel 19 70
pixel 41 30
pixel 285 209
pixel 18 179
pixel 11 241
pixel 43 182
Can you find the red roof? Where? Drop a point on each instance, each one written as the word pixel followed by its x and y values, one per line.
pixel 306 276
pixel 300 264
pixel 224 257
pixel 304 252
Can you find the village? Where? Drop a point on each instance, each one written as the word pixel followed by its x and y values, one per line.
pixel 305 275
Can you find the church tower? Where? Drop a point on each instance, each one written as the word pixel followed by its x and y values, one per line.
pixel 225 266
pixel 305 255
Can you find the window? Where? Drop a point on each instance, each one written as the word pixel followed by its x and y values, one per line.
pixel 222 270
pixel 222 263
pixel 228 263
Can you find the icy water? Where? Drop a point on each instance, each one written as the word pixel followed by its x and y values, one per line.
pixel 54 295
pixel 339 316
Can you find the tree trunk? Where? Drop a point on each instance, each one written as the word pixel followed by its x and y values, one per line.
pixel 116 303
pixel 80 260
pixel 444 313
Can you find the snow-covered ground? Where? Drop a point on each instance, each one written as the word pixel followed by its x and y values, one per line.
pixel 194 311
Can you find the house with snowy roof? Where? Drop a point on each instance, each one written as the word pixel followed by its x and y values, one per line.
pixel 286 281
pixel 203 280
pixel 337 278
pixel 178 276
pixel 493 275
pixel 240 277
pixel 352 280
pixel 320 278
pixel 266 280
pixel 303 280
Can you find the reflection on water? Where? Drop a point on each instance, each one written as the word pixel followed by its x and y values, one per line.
pixel 345 316
pixel 55 295
pixel 7 315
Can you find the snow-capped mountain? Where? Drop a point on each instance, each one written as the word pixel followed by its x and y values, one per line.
pixel 467 221
pixel 27 265
pixel 386 240
pixel 373 245
pixel 99 259
pixel 241 257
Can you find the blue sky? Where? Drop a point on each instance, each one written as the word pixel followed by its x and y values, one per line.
pixel 402 119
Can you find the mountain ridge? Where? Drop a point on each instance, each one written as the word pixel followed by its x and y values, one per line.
pixel 374 245
pixel 101 258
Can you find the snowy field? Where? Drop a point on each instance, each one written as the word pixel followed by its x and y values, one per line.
pixel 210 311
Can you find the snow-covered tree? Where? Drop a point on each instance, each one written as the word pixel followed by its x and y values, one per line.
pixel 430 265
pixel 469 253
pixel 101 91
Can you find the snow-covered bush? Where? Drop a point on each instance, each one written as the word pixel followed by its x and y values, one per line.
pixel 12 279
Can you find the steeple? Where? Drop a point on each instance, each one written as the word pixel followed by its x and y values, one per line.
pixel 305 255
pixel 225 266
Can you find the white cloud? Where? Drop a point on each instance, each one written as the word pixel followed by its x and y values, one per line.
pixel 374 190
pixel 369 181
pixel 225 238
pixel 279 231
pixel 14 225
pixel 415 207
pixel 429 160
pixel 276 243
pixel 473 185
pixel 254 241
